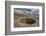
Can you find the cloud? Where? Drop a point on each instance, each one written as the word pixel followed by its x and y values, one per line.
pixel 26 11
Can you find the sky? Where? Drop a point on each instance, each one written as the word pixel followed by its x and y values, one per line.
pixel 26 11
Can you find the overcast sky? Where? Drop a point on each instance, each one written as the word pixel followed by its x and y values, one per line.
pixel 26 11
